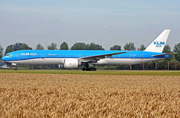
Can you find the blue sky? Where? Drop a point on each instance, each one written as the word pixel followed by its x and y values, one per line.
pixel 103 22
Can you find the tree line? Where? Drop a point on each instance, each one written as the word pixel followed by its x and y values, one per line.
pixel 169 63
pixel 64 46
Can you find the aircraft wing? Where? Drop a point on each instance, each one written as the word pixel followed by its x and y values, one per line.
pixel 164 54
pixel 97 57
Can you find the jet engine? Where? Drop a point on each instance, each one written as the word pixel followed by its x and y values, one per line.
pixel 71 63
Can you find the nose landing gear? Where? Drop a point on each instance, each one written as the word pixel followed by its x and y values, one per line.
pixel 14 64
pixel 15 68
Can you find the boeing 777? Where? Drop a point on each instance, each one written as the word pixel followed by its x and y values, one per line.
pixel 86 59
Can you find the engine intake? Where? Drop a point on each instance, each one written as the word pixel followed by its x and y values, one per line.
pixel 71 63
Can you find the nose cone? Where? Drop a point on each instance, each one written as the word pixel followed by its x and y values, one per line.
pixel 4 58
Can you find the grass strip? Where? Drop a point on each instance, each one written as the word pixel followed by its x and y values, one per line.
pixel 99 72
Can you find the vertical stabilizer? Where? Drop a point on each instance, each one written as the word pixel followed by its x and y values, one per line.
pixel 158 44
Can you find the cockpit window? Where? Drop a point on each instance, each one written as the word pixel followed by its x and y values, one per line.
pixel 7 55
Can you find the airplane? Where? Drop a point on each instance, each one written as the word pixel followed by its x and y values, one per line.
pixel 86 59
pixel 4 66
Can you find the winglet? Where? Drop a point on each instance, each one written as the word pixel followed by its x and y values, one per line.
pixel 158 44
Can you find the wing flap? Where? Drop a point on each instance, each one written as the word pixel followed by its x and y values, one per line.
pixel 97 57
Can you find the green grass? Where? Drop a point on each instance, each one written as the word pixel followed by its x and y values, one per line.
pixel 98 72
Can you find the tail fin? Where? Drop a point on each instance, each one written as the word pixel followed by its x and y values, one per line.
pixel 158 44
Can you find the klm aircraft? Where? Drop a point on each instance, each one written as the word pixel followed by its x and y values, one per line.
pixel 86 59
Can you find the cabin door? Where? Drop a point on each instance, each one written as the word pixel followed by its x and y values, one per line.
pixel 141 58
pixel 18 56
pixel 42 55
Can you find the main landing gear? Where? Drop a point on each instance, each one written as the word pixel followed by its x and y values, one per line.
pixel 88 67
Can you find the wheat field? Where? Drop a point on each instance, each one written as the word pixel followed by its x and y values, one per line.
pixel 89 96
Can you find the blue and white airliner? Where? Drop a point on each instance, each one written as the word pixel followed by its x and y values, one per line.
pixel 86 59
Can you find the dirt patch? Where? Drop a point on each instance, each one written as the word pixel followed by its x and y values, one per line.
pixel 53 95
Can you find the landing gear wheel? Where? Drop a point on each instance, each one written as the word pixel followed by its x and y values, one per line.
pixel 88 68
pixel 94 69
pixel 15 68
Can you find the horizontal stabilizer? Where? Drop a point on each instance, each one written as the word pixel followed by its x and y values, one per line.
pixel 164 54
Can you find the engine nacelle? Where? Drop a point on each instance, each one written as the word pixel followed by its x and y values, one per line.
pixel 71 63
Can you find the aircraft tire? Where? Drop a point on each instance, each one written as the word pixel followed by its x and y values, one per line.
pixel 16 69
